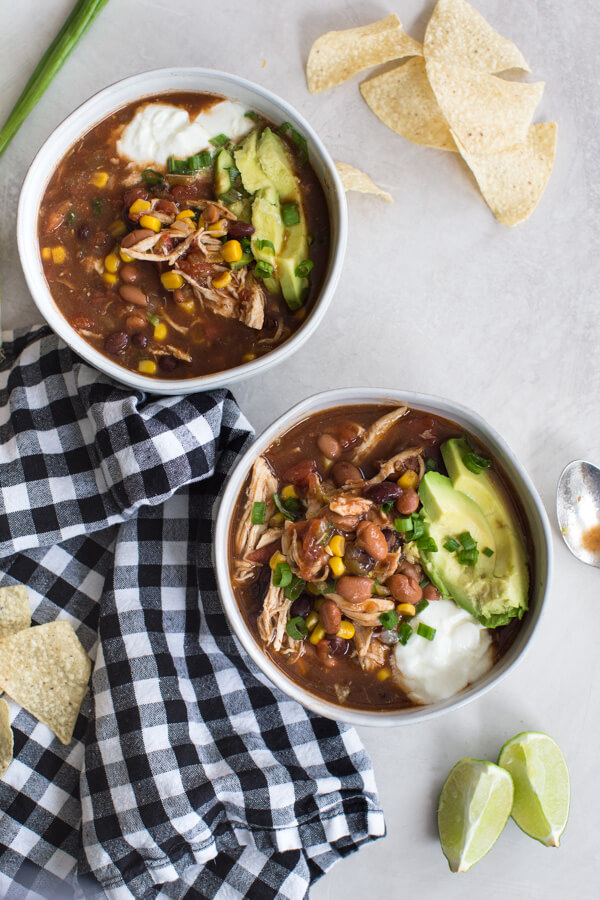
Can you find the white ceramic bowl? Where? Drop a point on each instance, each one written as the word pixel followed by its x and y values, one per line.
pixel 99 107
pixel 532 505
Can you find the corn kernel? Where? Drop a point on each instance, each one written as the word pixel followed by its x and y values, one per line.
pixel 337 545
pixel 289 492
pixel 317 634
pixel 248 357
pixel 231 251
pixel 59 254
pixel 220 226
pixel 383 674
pixel 117 229
pixel 126 257
pixel 408 479
pixel 147 367
pixel 112 262
pixel 189 307
pixel 100 179
pixel 172 281
pixel 311 620
pixel 337 566
pixel 346 630
pixel 277 558
pixel 150 222
pixel 46 253
pixel 139 206
pixel 185 214
pixel 160 331
pixel 221 281
pixel 406 609
pixel 109 278
pixel 277 519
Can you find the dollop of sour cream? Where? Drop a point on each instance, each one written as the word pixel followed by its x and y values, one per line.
pixel 460 653
pixel 159 130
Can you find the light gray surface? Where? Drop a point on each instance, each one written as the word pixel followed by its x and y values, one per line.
pixel 436 297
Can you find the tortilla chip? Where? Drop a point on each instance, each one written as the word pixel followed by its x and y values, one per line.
pixel 355 180
pixel 513 181
pixel 402 98
pixel 458 35
pixel 14 610
pixel 6 738
pixel 46 670
pixel 485 113
pixel 338 55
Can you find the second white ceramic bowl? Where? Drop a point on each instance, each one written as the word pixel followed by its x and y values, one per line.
pixel 97 108
pixel 532 506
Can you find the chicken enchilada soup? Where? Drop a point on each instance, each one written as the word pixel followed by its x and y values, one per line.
pixel 380 557
pixel 185 235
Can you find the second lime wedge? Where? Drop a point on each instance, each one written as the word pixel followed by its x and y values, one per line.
pixel 542 789
pixel 473 808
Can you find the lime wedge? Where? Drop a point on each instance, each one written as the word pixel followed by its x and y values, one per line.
pixel 542 788
pixel 473 808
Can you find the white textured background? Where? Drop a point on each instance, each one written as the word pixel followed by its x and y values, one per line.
pixel 435 297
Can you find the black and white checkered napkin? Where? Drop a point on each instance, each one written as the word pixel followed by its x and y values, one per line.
pixel 189 774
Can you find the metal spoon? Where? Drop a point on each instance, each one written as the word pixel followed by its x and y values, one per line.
pixel 578 510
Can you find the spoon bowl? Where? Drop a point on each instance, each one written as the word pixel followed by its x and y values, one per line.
pixel 578 510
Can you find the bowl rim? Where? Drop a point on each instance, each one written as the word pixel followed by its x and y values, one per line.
pixel 43 166
pixel 420 401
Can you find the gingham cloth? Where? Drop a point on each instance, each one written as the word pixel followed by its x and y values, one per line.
pixel 189 775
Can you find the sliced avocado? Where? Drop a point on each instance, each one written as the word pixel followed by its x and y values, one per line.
pixel 222 177
pixel 246 159
pixel 510 561
pixel 242 209
pixel 447 513
pixel 277 165
pixel 268 226
pixel 295 251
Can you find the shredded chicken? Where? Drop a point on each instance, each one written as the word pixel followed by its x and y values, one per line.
pixel 345 505
pixel 366 612
pixel 315 570
pixel 370 651
pixel 375 433
pixel 263 484
pixel 398 463
pixel 272 621
pixel 242 299
pixel 388 566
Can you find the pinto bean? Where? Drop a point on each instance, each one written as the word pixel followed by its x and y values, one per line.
pixel 371 538
pixel 239 229
pixel 167 207
pixel 328 446
pixel 331 616
pixel 431 593
pixel 343 472
pixel 354 588
pixel 211 213
pixel 384 492
pixel 408 502
pixel 129 273
pixel 135 323
pixel 408 569
pixel 116 343
pixel 324 654
pixel 134 236
pixel 404 589
pixel 131 294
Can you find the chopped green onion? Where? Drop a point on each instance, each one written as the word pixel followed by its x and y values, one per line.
pixel 386 507
pixel 418 527
pixel 451 545
pixel 427 544
pixel 476 463
pixel 468 557
pixel 219 140
pixel 199 161
pixel 304 268
pixel 467 540
pixel 322 587
pixel 234 174
pixel 79 20
pixel 263 244
pixel 426 631
pixel 297 628
pixel 177 166
pixel 252 115
pixel 151 176
pixel 282 575
pixel 245 242
pixel 487 551
pixel 424 583
pixel 283 508
pixel 431 465
pixel 97 207
pixel 290 214
pixel 230 196
pixel 389 619
pixel 70 218
pixel 154 320
pixel 293 590
pixel 257 516
pixel 405 632
pixel 403 524
pixel 298 139
pixel 263 269
pixel 328 533
pixel 421 605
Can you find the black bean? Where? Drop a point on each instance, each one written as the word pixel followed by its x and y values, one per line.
pixel 140 340
pixel 116 342
pixel 337 646
pixel 167 363
pixel 83 232
pixel 384 492
pixel 239 229
pixel 300 607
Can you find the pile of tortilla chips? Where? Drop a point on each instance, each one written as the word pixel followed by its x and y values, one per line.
pixel 44 668
pixel 447 94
